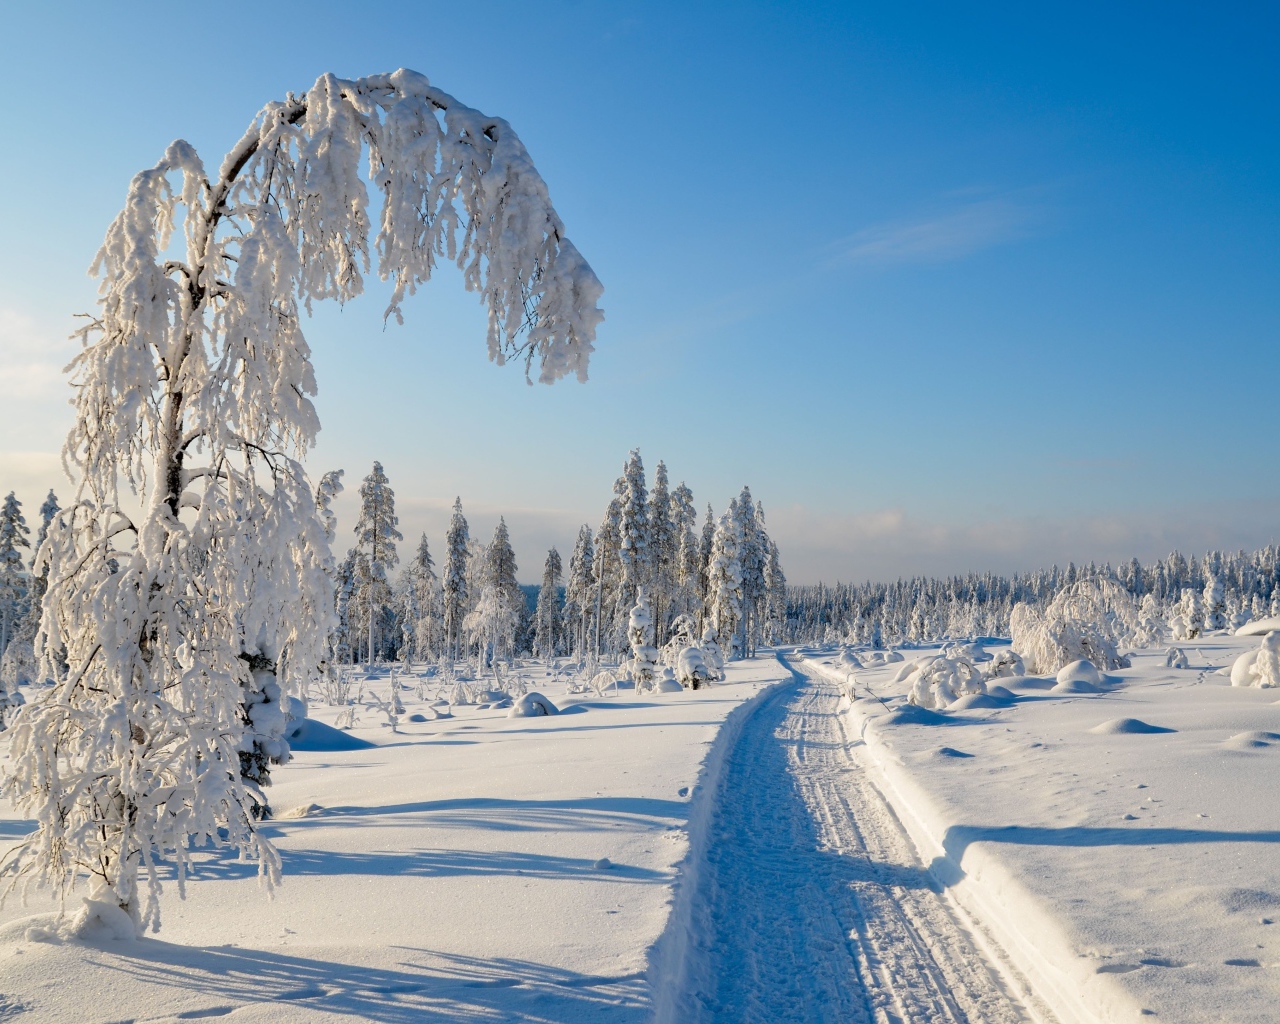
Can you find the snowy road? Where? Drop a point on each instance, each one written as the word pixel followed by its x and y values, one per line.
pixel 805 900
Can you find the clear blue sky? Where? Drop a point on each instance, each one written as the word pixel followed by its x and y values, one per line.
pixel 950 289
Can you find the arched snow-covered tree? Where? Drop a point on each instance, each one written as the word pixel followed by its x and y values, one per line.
pixel 193 389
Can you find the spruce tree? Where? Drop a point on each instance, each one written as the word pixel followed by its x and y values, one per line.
pixel 14 589
pixel 724 579
pixel 705 543
pixel 663 553
pixel 376 537
pixel 421 586
pixel 548 619
pixel 633 547
pixel 457 541
pixel 579 590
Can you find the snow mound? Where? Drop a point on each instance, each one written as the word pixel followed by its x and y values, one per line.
pixel 1242 669
pixel 1004 664
pixel 666 683
pixel 1075 686
pixel 1001 693
pixel 101 921
pixel 532 705
pixel 1260 627
pixel 972 701
pixel 849 661
pixel 951 752
pixel 1254 739
pixel 317 738
pixel 1081 671
pixel 1127 727
pixel 913 714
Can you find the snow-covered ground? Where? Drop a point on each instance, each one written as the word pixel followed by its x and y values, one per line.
pixel 1128 874
pixel 472 868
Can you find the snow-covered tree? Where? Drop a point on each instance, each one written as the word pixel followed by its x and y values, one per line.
pixel 454 584
pixel 751 557
pixel 492 619
pixel 376 537
pixel 548 617
pixel 706 541
pixel 193 389
pixel 633 530
pixel 579 590
pixel 775 602
pixel 1215 605
pixel 14 588
pixel 724 580
pixel 422 602
pixel 607 568
pixel 663 552
pixel 500 574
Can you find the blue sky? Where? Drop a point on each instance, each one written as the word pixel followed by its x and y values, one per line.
pixel 950 289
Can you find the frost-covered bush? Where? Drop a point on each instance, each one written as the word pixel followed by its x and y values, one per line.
pixel 18 665
pixel 944 680
pixel 1150 629
pixel 1188 618
pixel 848 661
pixel 1089 619
pixel 692 669
pixel 1176 657
pixel 711 653
pixel 532 705
pixel 644 656
pixel 1215 605
pixel 1260 668
pixel 1004 664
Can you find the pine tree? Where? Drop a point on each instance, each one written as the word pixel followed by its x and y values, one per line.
pixel 705 544
pixel 580 590
pixel 421 587
pixel 663 554
pixel 376 537
pixel 775 594
pixel 724 579
pixel 14 588
pixel 548 628
pixel 501 575
pixel 751 557
pixel 608 575
pixel 633 547
pixel 457 540
pixel 684 521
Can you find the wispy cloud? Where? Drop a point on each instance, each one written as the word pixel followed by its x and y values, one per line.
pixel 950 234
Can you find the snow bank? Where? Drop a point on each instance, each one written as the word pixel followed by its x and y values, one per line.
pixel 311 736
pixel 1260 627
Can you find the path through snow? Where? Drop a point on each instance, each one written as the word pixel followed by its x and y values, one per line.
pixel 804 899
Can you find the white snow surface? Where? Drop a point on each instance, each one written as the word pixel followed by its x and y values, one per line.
pixel 469 868
pixel 1122 846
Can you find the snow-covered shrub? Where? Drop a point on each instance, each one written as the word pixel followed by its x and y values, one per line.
pixel 711 653
pixel 1188 618
pixel 1151 627
pixel 666 681
pixel 1176 657
pixel 944 680
pixel 1215 605
pixel 682 633
pixel 644 656
pixel 692 669
pixel 18 665
pixel 849 661
pixel 1004 664
pixel 1260 668
pixel 1180 628
pixel 1089 619
pixel 892 656
pixel 532 705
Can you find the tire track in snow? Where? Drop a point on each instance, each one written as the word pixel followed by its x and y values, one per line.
pixel 808 902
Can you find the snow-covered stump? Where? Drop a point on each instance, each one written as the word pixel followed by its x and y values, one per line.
pixel 193 390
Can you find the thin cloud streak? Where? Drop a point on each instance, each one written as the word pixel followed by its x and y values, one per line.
pixel 952 235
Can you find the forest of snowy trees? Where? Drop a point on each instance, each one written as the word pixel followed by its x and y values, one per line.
pixel 1212 592
pixel 718 577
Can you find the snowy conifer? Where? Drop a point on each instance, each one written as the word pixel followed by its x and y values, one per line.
pixel 579 591
pixel 1215 605
pixel 454 584
pixel 633 530
pixel 548 618
pixel 724 580
pixel 663 554
pixel 775 586
pixel 608 575
pixel 705 543
pixel 501 575
pixel 376 537
pixel 193 390
pixel 422 618
pixel 751 557
pixel 14 588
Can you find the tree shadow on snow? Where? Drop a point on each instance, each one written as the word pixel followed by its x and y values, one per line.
pixel 425 987
pixel 959 838
pixel 425 863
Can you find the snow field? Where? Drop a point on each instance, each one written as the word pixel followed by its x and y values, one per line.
pixel 1121 846
pixel 472 868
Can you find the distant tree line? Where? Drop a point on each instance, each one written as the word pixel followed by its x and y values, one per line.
pixel 1230 587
